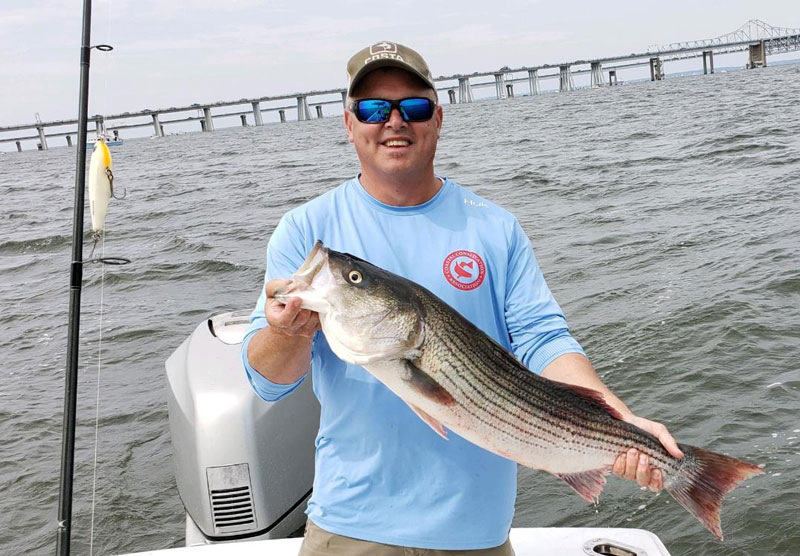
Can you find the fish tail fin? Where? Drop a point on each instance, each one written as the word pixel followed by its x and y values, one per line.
pixel 703 480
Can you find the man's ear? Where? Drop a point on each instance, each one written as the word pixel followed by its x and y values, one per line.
pixel 348 124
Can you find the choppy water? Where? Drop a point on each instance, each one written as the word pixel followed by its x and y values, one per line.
pixel 665 217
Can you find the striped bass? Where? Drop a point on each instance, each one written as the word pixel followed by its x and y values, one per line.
pixel 454 376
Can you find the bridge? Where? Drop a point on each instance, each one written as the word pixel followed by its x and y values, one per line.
pixel 759 39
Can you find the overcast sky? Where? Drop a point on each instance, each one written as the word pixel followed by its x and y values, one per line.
pixel 178 52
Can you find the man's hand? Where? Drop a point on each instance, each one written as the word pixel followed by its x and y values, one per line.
pixel 289 319
pixel 635 466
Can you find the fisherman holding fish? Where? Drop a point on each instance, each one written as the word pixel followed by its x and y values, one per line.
pixel 385 478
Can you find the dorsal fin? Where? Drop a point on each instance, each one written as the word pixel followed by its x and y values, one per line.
pixel 594 397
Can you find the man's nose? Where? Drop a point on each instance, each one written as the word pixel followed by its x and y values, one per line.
pixel 396 119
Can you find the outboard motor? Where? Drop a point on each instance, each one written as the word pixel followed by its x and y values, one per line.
pixel 244 467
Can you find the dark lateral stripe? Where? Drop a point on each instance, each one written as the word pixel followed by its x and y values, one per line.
pixel 497 383
pixel 525 396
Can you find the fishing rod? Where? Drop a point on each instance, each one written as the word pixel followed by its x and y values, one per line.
pixel 75 284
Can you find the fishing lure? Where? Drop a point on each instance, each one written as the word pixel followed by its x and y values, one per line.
pixel 101 186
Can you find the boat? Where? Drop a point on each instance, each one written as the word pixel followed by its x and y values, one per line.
pixel 112 143
pixel 245 467
pixel 115 141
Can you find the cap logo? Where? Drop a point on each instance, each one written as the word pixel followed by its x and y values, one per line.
pixel 388 47
pixel 383 50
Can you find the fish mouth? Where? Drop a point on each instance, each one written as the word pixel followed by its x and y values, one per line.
pixel 313 263
pixel 302 279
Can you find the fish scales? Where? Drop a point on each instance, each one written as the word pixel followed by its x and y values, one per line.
pixel 503 375
pixel 454 376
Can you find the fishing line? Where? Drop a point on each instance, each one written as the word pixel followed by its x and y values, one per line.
pixel 101 237
pixel 97 395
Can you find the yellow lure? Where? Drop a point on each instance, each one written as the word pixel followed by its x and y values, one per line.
pixel 101 185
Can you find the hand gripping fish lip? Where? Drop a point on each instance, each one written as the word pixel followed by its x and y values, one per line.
pixel 301 280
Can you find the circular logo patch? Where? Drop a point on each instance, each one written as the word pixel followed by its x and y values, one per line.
pixel 464 270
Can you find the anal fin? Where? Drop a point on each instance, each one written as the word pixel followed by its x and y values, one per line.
pixel 589 484
pixel 432 423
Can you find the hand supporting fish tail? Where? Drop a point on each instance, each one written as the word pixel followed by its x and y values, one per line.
pixel 635 466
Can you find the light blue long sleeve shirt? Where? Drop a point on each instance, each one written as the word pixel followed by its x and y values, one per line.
pixel 381 473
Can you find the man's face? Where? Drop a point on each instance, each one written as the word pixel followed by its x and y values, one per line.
pixel 396 147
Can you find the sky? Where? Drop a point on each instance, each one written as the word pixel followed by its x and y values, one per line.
pixel 179 52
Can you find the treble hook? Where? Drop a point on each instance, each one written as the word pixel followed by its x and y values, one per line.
pixel 96 238
pixel 110 175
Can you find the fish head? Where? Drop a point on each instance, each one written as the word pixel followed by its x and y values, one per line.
pixel 367 314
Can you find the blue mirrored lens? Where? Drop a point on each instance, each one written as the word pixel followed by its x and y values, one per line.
pixel 373 110
pixel 416 109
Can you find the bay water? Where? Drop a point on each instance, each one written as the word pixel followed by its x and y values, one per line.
pixel 664 215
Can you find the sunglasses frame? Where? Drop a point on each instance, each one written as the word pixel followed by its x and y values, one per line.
pixel 393 104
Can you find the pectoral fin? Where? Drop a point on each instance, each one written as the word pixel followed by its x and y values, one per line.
pixel 432 423
pixel 423 384
pixel 589 484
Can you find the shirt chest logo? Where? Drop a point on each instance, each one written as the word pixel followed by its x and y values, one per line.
pixel 464 270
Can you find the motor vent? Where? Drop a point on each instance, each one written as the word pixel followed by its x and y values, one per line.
pixel 231 498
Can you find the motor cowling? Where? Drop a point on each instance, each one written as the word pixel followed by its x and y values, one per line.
pixel 244 467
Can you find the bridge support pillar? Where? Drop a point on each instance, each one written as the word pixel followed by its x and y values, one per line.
pixel 612 78
pixel 99 126
pixel 319 111
pixel 464 90
pixel 244 119
pixel 510 90
pixel 597 74
pixel 656 69
pixel 565 82
pixel 533 81
pixel 69 140
pixel 282 114
pixel 203 125
pixel 344 100
pixel 19 146
pixel 499 85
pixel 710 64
pixel 303 113
pixel 42 138
pixel 757 56
pixel 159 129
pixel 257 119
pixel 451 94
pixel 207 119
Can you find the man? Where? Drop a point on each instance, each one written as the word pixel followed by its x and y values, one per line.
pixel 384 480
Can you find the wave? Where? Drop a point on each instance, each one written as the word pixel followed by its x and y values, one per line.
pixel 46 244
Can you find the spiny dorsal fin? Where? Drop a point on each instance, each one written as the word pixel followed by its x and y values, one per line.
pixel 594 397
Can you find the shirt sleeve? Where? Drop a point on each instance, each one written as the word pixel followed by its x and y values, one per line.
pixel 285 254
pixel 536 324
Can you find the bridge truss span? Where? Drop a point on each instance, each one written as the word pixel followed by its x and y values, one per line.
pixel 753 31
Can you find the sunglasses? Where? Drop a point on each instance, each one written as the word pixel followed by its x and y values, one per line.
pixel 378 110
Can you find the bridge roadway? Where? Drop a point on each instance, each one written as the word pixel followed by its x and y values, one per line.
pixel 503 81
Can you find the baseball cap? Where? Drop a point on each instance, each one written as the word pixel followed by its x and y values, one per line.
pixel 386 54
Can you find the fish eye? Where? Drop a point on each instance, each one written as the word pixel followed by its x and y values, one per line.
pixel 354 276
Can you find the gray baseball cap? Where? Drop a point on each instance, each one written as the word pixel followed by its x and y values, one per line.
pixel 386 54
